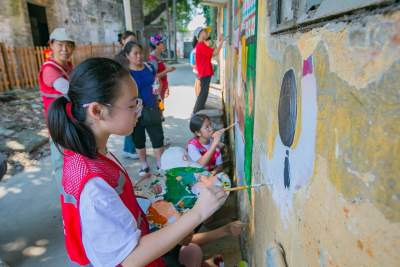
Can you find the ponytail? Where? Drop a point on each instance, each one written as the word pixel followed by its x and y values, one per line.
pixel 195 41
pixel 67 131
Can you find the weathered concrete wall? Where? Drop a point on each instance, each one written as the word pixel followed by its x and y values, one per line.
pixel 89 21
pixel 343 205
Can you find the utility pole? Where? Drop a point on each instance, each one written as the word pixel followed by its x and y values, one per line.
pixel 174 21
pixel 128 15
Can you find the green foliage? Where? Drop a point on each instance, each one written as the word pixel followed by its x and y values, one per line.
pixel 207 14
pixel 184 10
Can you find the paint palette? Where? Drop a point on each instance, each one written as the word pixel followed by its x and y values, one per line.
pixel 152 188
pixel 164 199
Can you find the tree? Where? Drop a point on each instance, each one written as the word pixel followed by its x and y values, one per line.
pixel 154 9
pixel 137 16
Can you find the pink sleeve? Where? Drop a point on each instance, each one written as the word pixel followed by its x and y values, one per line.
pixel 50 75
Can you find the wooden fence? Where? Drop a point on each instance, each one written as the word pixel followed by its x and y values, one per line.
pixel 19 66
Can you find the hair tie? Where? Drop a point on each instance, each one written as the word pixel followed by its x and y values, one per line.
pixel 68 109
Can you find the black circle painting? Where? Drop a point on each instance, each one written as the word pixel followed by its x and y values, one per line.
pixel 287 115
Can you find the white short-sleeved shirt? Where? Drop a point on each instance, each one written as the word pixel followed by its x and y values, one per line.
pixel 109 230
pixel 195 154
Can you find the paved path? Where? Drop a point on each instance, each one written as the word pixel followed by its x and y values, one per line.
pixel 30 221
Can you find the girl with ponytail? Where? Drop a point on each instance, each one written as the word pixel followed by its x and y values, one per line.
pixel 103 223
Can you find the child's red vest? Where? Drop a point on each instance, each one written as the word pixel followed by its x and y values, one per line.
pixel 77 171
pixel 48 92
pixel 211 163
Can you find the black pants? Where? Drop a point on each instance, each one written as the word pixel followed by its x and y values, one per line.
pixel 202 98
pixel 155 133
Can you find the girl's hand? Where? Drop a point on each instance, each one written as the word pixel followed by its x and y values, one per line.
pixel 217 136
pixel 186 240
pixel 170 69
pixel 234 228
pixel 208 180
pixel 220 38
pixel 209 201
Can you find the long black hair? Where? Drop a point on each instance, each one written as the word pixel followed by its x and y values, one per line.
pixel 93 80
pixel 196 122
pixel 123 36
pixel 129 46
pixel 194 41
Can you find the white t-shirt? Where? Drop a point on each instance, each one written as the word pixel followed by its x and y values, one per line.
pixel 195 154
pixel 109 230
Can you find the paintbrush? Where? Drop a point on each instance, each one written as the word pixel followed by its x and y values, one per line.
pixel 243 187
pixel 230 126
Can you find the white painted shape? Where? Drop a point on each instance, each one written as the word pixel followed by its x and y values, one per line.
pixel 301 158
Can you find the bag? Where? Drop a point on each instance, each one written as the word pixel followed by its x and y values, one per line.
pixel 151 116
pixel 161 104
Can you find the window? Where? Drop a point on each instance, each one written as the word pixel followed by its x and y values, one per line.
pixel 289 14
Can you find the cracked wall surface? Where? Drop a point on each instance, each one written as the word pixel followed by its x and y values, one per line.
pixel 342 207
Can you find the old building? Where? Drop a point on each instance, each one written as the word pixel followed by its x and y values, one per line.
pixel 314 87
pixel 29 22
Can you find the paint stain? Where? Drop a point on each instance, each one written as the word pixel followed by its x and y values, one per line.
pixel 370 253
pixel 360 245
pixel 307 66
pixel 332 263
pixel 346 212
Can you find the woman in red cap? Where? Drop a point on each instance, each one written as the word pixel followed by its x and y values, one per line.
pixel 204 68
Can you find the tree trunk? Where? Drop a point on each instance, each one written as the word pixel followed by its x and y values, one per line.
pixel 155 13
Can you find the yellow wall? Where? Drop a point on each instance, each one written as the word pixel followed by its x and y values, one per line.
pixel 346 209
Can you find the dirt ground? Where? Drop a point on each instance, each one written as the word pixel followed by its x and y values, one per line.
pixel 23 132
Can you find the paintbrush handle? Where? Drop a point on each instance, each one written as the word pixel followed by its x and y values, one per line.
pixel 243 187
pixel 237 188
pixel 230 126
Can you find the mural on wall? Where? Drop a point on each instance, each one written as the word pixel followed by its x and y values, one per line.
pixel 244 43
pixel 292 162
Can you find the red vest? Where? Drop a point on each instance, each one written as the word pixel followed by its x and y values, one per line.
pixel 77 171
pixel 160 68
pixel 48 92
pixel 211 163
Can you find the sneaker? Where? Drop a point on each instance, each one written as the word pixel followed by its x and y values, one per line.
pixel 167 141
pixel 144 172
pixel 130 155
pixel 158 172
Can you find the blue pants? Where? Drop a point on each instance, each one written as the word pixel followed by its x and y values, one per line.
pixel 129 145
